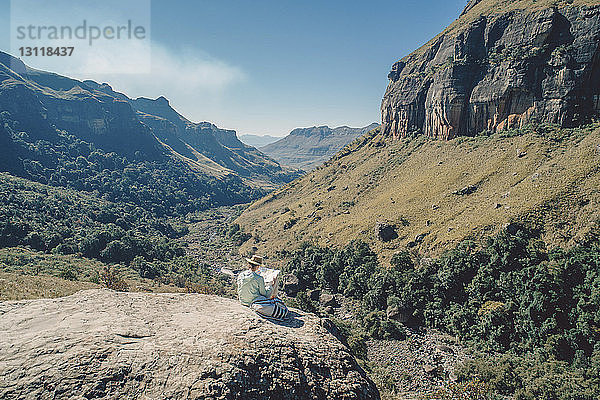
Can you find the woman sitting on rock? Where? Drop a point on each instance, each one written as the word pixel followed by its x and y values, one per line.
pixel 253 293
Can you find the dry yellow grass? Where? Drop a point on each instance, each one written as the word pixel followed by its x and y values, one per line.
pixel 491 7
pixel 15 286
pixel 28 274
pixel 26 287
pixel 410 183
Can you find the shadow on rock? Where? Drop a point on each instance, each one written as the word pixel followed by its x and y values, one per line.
pixel 292 320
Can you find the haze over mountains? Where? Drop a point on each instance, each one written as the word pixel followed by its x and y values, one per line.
pixel 307 148
pixel 45 115
pixel 258 140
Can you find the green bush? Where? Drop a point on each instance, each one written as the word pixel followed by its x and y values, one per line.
pixel 511 295
pixel 354 337
pixel 533 376
pixel 112 278
pixel 69 273
pixel 236 235
pixel 66 222
pixel 303 302
pixel 157 183
pixel 378 326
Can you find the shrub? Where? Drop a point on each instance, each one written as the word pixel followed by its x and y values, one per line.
pixel 532 376
pixel 236 235
pixel 290 223
pixel 359 264
pixel 353 336
pixel 473 389
pixel 111 277
pixel 378 326
pixel 68 273
pixel 305 303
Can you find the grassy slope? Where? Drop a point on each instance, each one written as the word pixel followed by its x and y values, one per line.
pixel 489 7
pixel 23 287
pixel 410 182
pixel 399 192
pixel 28 274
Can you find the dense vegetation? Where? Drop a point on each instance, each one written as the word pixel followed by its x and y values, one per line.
pixel 540 308
pixel 117 208
pixel 65 222
pixel 161 185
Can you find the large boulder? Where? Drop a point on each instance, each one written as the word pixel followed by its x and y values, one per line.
pixel 103 344
pixel 328 300
pixel 386 232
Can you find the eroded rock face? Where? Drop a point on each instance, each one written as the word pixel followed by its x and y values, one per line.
pixel 111 345
pixel 499 72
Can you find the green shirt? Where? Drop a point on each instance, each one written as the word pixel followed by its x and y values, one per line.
pixel 251 286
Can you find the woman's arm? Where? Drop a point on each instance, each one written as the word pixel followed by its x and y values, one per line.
pixel 261 288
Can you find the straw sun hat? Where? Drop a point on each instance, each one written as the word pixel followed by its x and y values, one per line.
pixel 255 261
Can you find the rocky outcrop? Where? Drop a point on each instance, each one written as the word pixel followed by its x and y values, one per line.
pixel 469 6
pixel 111 345
pixel 43 102
pixel 499 71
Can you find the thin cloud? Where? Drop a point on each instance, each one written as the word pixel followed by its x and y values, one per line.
pixel 185 72
pixel 192 80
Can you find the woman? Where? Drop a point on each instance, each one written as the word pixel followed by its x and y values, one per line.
pixel 252 292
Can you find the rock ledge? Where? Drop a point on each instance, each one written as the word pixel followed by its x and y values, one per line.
pixel 114 345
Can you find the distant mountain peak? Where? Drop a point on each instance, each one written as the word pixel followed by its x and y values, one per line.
pixel 324 130
pixel 258 140
pixel 311 131
pixel 306 148
pixel 162 100
pixel 15 64
pixel 106 86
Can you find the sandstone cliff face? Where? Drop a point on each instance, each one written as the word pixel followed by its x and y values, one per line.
pixel 497 72
pixel 107 345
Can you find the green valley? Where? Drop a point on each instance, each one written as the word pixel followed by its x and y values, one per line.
pixel 450 252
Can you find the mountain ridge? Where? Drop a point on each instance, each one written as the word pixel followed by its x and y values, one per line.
pixel 200 140
pixel 434 193
pixel 306 148
pixel 62 112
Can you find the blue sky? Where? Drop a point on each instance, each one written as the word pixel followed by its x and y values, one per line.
pixel 266 67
